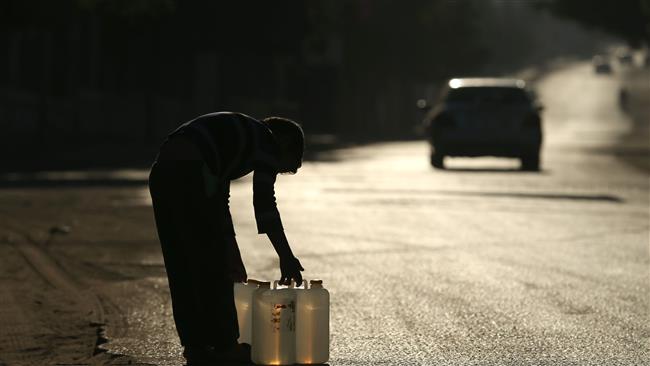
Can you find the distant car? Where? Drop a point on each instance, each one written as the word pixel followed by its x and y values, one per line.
pixel 601 65
pixel 486 117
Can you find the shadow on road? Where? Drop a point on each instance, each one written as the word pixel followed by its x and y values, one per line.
pixel 492 170
pixel 107 165
pixel 535 195
pixel 16 157
pixel 550 196
pixel 71 183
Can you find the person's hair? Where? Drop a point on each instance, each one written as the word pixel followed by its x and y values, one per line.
pixel 290 138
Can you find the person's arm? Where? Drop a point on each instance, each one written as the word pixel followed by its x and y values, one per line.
pixel 269 223
pixel 228 227
pixel 290 266
pixel 267 215
pixel 236 268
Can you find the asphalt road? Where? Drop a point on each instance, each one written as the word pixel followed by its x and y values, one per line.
pixel 479 264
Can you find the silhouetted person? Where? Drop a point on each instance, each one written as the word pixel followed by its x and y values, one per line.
pixel 623 98
pixel 190 185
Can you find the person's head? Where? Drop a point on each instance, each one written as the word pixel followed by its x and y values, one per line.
pixel 290 140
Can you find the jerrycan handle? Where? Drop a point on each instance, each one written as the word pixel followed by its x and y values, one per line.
pixel 316 283
pixel 253 282
pixel 276 284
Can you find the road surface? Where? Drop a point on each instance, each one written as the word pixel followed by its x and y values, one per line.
pixel 479 264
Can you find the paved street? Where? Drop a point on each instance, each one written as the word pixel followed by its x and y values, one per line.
pixel 479 264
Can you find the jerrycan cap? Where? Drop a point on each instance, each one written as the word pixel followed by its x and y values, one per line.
pixel 316 283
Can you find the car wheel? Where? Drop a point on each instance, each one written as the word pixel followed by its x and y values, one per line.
pixel 438 160
pixel 530 162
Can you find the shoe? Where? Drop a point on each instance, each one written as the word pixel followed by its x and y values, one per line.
pixel 199 356
pixel 240 354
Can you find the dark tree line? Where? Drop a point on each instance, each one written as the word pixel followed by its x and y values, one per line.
pixel 628 19
pixel 134 69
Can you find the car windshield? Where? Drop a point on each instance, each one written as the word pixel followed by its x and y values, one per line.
pixel 503 95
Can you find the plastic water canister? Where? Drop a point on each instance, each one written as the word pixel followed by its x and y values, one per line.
pixel 274 325
pixel 312 324
pixel 244 304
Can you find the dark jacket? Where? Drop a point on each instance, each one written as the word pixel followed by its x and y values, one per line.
pixel 233 145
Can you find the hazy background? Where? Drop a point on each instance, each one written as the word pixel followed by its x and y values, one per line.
pixel 76 77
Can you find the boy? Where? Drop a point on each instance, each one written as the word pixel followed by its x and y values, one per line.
pixel 190 185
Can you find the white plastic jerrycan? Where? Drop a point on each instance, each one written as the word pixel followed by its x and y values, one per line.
pixel 274 325
pixel 244 304
pixel 313 324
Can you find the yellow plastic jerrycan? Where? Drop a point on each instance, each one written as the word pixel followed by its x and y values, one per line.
pixel 244 304
pixel 312 324
pixel 274 325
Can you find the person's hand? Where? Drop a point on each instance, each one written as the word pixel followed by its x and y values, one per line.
pixel 236 268
pixel 289 265
pixel 290 268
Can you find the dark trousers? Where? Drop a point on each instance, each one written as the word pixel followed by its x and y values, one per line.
pixel 191 233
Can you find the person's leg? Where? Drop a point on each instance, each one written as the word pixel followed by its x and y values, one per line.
pixel 190 232
pixel 214 279
pixel 163 188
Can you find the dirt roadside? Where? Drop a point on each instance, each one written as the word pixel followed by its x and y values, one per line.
pixel 50 315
